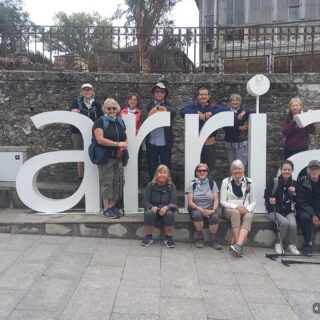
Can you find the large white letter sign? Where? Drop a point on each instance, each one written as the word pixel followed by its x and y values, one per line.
pixel 26 182
pixel 194 141
pixel 302 159
pixel 157 120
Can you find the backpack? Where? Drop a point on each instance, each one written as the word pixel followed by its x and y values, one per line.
pixel 97 153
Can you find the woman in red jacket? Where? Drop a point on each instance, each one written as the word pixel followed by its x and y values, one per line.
pixel 295 138
pixel 134 107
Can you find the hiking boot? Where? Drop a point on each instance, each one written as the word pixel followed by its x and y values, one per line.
pixel 307 248
pixel 215 243
pixel 199 239
pixel 277 248
pixel 110 213
pixel 293 249
pixel 147 241
pixel 236 249
pixel 169 242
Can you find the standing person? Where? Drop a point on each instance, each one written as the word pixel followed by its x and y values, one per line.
pixel 203 203
pixel 236 137
pixel 238 200
pixel 114 139
pixel 160 203
pixel 87 105
pixel 308 203
pixel 133 107
pixel 205 109
pixel 295 138
pixel 159 141
pixel 280 202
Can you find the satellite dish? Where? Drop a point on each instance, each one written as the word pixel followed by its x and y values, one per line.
pixel 258 85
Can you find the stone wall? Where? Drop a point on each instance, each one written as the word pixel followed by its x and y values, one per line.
pixel 24 94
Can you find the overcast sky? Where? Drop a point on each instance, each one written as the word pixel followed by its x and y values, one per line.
pixel 41 12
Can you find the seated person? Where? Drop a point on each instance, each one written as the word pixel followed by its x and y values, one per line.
pixel 238 200
pixel 280 201
pixel 308 203
pixel 203 202
pixel 160 203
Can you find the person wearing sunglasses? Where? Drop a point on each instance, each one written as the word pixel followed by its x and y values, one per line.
pixel 114 139
pixel 238 200
pixel 159 142
pixel 203 203
pixel 87 105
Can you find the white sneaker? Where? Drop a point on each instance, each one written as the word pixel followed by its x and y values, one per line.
pixel 277 248
pixel 293 249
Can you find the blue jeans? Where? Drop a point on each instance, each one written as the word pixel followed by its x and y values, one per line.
pixel 154 153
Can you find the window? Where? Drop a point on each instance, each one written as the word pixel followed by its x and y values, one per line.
pixel 312 9
pixel 209 7
pixel 260 11
pixel 288 10
pixel 235 12
pixel 294 9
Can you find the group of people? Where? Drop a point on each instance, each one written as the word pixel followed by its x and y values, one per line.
pixel 237 199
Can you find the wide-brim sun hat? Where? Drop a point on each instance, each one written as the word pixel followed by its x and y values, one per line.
pixel 160 85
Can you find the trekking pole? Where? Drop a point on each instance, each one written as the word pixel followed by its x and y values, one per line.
pixel 287 263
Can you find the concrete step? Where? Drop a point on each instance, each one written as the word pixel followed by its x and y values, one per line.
pixel 76 223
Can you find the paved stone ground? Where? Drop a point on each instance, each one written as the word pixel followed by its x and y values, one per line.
pixel 51 277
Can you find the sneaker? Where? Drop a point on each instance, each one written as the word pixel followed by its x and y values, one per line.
pixel 169 242
pixel 147 241
pixel 236 249
pixel 215 243
pixel 307 248
pixel 277 248
pixel 110 213
pixel 199 239
pixel 293 249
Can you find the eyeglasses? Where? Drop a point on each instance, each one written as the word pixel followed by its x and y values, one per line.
pixel 159 91
pixel 202 170
pixel 111 109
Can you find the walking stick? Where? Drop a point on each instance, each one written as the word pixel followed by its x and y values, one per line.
pixel 287 263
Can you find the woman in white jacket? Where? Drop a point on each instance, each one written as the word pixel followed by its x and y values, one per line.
pixel 237 199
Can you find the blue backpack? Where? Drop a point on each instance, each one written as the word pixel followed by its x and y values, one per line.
pixel 98 154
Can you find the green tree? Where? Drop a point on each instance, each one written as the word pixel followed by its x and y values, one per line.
pixel 80 33
pixel 14 22
pixel 145 15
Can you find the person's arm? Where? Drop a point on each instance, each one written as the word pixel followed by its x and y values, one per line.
pixel 310 129
pixel 224 195
pixel 173 197
pixel 215 205
pixel 302 198
pixel 288 127
pixel 147 197
pixel 188 109
pixel 75 106
pixel 251 198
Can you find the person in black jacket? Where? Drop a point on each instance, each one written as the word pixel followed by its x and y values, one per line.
pixel 159 141
pixel 308 203
pixel 87 105
pixel 280 202
pixel 160 203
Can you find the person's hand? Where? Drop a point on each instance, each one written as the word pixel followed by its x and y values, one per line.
pixel 241 114
pixel 316 220
pixel 206 213
pixel 123 144
pixel 153 110
pixel 272 201
pixel 292 190
pixel 162 108
pixel 207 115
pixel 75 110
pixel 163 210
pixel 154 209
pixel 242 210
pixel 201 116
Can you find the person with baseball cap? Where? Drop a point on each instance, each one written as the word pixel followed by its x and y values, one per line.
pixel 308 203
pixel 159 142
pixel 87 105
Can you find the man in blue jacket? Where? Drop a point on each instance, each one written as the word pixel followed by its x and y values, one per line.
pixel 308 203
pixel 205 109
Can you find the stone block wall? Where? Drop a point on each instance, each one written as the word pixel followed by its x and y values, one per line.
pixel 26 93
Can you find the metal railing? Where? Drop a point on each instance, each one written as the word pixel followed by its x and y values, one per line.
pixel 248 49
